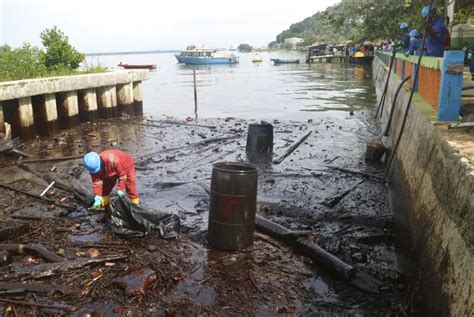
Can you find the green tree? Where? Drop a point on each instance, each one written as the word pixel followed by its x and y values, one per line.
pixel 21 63
pixel 245 48
pixel 362 20
pixel 59 53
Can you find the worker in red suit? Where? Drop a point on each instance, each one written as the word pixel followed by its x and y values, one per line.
pixel 109 169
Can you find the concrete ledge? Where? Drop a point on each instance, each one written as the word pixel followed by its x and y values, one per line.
pixel 432 186
pixel 32 87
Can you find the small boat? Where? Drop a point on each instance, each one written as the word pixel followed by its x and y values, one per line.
pixel 138 66
pixel 257 59
pixel 205 56
pixel 285 60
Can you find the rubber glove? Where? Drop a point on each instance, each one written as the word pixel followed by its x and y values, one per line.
pixel 97 202
pixel 120 193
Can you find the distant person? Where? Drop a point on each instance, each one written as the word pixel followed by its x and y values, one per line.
pixel 471 64
pixel 414 42
pixel 405 37
pixel 109 169
pixel 447 36
pixel 434 26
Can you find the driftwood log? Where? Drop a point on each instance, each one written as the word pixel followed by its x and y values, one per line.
pixel 50 269
pixel 321 257
pixel 35 249
pixel 16 288
pixel 291 149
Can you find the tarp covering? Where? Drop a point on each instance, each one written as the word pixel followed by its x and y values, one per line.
pixel 130 220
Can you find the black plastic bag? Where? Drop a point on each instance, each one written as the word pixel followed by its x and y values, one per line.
pixel 130 220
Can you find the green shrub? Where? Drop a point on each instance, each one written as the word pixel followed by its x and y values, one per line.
pixel 59 53
pixel 58 58
pixel 21 63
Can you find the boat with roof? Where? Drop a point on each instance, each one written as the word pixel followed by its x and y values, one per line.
pixel 205 56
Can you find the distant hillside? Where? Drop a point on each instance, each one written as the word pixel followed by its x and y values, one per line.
pixel 314 29
pixel 367 20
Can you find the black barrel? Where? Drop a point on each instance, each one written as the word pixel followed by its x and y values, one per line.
pixel 259 142
pixel 233 205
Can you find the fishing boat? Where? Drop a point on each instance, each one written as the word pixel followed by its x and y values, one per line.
pixel 206 56
pixel 257 59
pixel 138 66
pixel 285 60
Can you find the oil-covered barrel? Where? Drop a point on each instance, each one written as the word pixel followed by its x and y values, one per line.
pixel 233 205
pixel 259 142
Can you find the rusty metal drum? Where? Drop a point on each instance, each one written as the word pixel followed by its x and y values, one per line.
pixel 259 146
pixel 233 205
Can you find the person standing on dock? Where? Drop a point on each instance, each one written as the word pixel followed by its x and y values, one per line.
pixel 414 42
pixel 108 169
pixel 435 29
pixel 405 37
pixel 471 64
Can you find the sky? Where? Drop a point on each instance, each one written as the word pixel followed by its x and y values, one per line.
pixel 134 25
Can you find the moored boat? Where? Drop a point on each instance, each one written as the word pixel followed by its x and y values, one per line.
pixel 138 66
pixel 285 60
pixel 257 59
pixel 206 56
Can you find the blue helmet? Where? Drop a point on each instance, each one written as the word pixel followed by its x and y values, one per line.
pixel 426 11
pixel 414 33
pixel 92 162
pixel 403 26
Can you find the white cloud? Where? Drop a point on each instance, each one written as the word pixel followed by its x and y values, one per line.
pixel 95 25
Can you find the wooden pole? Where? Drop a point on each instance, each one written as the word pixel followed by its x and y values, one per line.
pixel 195 95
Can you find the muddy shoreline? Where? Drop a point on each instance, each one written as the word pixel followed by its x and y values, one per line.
pixel 184 276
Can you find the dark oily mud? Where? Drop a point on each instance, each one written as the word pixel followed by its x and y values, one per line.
pixel 325 186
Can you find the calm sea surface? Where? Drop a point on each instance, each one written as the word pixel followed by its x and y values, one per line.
pixel 251 91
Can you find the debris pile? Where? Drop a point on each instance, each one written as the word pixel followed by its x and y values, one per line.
pixel 334 253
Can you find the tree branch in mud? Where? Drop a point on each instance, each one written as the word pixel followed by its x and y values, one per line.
pixel 192 125
pixel 50 201
pixel 50 269
pixel 36 249
pixel 52 306
pixel 334 200
pixel 291 149
pixel 82 195
pixel 52 159
pixel 320 256
pixel 203 142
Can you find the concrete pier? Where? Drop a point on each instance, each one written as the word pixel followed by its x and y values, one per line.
pixel 88 105
pixel 46 114
pixel 125 98
pixel 113 94
pixel 24 114
pixel 64 101
pixel 68 109
pixel 138 98
pixel 107 102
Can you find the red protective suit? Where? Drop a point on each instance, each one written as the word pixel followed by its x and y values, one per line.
pixel 119 169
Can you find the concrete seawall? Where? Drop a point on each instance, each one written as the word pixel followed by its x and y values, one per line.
pixel 42 106
pixel 431 184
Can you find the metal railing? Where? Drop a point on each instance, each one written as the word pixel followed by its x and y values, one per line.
pixel 439 82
